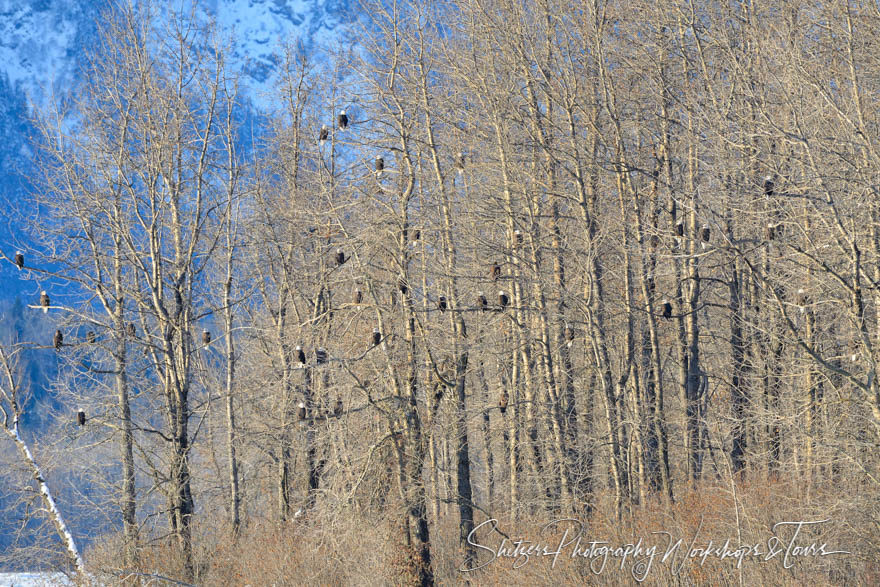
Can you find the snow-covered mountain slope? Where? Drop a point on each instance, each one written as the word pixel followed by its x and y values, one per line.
pixel 42 40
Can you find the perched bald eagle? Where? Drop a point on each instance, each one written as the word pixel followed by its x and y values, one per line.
pixel 58 340
pixel 503 300
pixel 81 417
pixel 131 329
pixel 301 413
pixel 337 409
pixel 377 336
pixel 19 260
pixel 324 133
pixel 340 257
pixel 801 299
pixel 441 303
pixel 321 356
pixel 704 236
pixel 496 271
pixel 771 231
pixel 482 302
pixel 502 401
pixel 768 185
pixel 358 296
pixel 90 336
pixel 44 301
pixel 300 355
pixel 517 238
pixel 380 164
pixel 667 310
pixel 206 337
pixel 343 120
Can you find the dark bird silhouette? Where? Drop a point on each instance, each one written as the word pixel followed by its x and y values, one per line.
pixel 81 417
pixel 496 271
pixel 19 260
pixel 482 302
pixel 324 133
pixel 301 412
pixel 337 409
pixel 704 235
pixel 44 301
pixel 667 310
pixel 342 119
pixel 502 401
pixel 340 257
pixel 679 228
pixel 358 296
pixel 90 336
pixel 377 336
pixel 380 164
pixel 206 337
pixel 441 303
pixel 321 356
pixel 58 340
pixel 768 185
pixel 300 355
pixel 503 300
pixel 132 331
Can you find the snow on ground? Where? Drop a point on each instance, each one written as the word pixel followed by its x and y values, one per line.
pixel 33 579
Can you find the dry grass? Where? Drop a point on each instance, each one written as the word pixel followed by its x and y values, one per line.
pixel 359 549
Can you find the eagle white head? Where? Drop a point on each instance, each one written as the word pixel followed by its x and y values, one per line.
pixel 342 112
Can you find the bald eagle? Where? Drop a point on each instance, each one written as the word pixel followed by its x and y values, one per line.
pixel 377 336
pixel 441 303
pixel 358 296
pixel 301 413
pixel 324 133
pixel 300 355
pixel 482 302
pixel 90 336
pixel 503 299
pixel 19 260
pixel 206 337
pixel 81 417
pixel 496 271
pixel 517 238
pixel 380 164
pixel 343 120
pixel 58 340
pixel 667 310
pixel 340 257
pixel 321 356
pixel 771 231
pixel 337 409
pixel 704 235
pixel 502 401
pixel 768 186
pixel 679 228
pixel 44 301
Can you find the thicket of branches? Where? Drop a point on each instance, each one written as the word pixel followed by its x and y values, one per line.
pixel 614 260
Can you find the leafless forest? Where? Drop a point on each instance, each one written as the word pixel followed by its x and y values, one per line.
pixel 615 261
